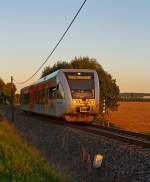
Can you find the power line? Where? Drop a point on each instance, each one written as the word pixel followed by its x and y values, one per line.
pixel 61 38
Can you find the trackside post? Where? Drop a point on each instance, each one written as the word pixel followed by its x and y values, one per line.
pixel 12 100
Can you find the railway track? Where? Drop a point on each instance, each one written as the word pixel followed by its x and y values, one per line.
pixel 120 131
pixel 121 135
pixel 137 139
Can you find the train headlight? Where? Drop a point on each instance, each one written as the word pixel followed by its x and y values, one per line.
pixel 91 102
pixel 74 101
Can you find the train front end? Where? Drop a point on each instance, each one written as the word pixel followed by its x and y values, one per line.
pixel 84 91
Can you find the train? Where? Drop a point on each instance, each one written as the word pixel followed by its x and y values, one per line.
pixel 72 94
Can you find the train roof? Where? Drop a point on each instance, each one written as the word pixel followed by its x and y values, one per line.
pixel 77 70
pixel 51 75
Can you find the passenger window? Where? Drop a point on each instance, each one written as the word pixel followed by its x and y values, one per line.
pixel 25 99
pixel 60 92
pixel 52 93
pixel 46 96
pixel 42 96
pixel 38 94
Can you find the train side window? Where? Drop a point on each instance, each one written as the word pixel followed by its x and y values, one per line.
pixel 38 97
pixel 41 98
pixel 35 97
pixel 25 99
pixel 52 93
pixel 46 96
pixel 60 92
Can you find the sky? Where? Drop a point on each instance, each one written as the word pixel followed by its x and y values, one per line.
pixel 115 32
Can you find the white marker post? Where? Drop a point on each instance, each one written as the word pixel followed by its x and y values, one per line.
pixel 104 106
pixel 98 158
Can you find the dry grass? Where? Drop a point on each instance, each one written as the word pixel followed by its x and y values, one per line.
pixel 133 116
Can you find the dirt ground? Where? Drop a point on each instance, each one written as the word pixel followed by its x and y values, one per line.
pixel 133 116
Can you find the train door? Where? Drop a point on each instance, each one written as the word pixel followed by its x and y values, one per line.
pixel 60 101
pixel 52 101
pixel 46 100
pixel 31 99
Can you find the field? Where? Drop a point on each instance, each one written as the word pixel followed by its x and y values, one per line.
pixel 133 116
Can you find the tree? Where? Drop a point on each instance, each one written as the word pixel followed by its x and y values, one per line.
pixel 2 86
pixel 59 65
pixel 5 91
pixel 109 90
pixel 8 89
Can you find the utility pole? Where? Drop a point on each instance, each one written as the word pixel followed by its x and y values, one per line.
pixel 12 100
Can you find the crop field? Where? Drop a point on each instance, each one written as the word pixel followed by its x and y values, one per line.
pixel 133 116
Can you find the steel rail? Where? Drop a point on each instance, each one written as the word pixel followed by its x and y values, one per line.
pixel 117 134
pixel 129 139
pixel 140 135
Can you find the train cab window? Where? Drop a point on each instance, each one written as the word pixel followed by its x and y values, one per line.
pixel 60 92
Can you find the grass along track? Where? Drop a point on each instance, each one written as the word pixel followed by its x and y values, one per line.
pixel 19 161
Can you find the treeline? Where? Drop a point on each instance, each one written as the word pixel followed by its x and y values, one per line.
pixel 134 95
pixel 134 99
pixel 5 92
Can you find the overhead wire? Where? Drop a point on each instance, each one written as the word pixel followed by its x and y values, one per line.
pixel 55 47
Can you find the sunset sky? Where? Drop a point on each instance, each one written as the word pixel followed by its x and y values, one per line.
pixel 115 32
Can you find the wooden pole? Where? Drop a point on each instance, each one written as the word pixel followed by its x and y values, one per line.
pixel 12 100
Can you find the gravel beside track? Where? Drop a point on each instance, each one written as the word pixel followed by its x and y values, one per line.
pixel 72 151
